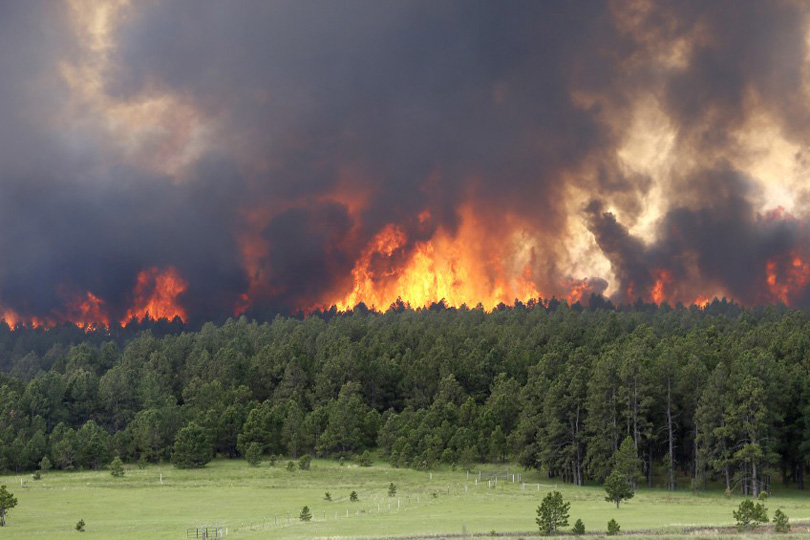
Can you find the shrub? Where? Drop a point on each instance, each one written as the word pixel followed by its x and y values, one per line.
pixel 392 489
pixel 142 462
pixel 579 528
pixel 305 515
pixel 273 460
pixel 253 454
pixel 291 466
pixel 117 467
pixel 353 496
pixel 780 521
pixel 613 528
pixel 37 475
pixel 750 514
pixel 45 464
pixel 365 459
pixel 327 496
pixel 305 462
pixel 80 525
pixel 552 513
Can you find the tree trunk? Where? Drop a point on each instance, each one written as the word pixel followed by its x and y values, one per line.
pixel 754 479
pixel 670 436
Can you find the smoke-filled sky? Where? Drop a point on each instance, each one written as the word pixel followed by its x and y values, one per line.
pixel 204 158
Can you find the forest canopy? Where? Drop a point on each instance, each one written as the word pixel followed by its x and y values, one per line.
pixel 718 395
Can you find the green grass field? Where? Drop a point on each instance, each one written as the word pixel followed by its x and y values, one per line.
pixel 256 502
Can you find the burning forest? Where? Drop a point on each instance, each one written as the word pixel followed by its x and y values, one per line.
pixel 160 160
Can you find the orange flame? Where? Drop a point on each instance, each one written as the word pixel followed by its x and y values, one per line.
pixel 787 281
pixel 662 279
pixel 458 268
pixel 702 301
pixel 88 312
pixel 578 288
pixel 155 295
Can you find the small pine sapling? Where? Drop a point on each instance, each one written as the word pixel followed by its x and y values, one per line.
pixel 117 467
pixel 613 528
pixel 749 514
pixel 552 513
pixel 780 521
pixel 579 528
pixel 305 462
pixel 305 514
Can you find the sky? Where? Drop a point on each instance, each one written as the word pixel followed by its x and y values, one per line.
pixel 205 159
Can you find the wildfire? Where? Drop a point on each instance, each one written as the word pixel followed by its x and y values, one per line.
pixel 88 312
pixel 578 288
pixel 156 295
pixel 460 268
pixel 702 301
pixel 787 281
pixel 662 279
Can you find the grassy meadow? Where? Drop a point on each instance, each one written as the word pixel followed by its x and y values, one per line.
pixel 265 502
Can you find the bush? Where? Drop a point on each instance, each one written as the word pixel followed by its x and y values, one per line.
pixel 253 454
pixel 291 466
pixel 45 464
pixel 273 459
pixel 780 521
pixel 365 459
pixel 327 496
pixel 579 528
pixel 353 496
pixel 142 462
pixel 552 513
pixel 613 528
pixel 80 525
pixel 37 475
pixel 117 467
pixel 305 515
pixel 392 489
pixel 305 462
pixel 750 514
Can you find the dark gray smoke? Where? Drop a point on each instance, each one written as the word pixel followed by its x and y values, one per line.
pixel 415 105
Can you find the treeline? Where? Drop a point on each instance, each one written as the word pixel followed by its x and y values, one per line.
pixel 720 395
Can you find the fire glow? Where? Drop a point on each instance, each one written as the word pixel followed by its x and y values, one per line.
pixel 155 296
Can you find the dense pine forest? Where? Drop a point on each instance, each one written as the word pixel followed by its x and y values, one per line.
pixel 718 397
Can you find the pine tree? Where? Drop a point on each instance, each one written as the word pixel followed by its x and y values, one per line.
pixel 780 521
pixel 552 513
pixel 305 515
pixel 617 488
pixel 117 467
pixel 7 502
pixel 191 448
